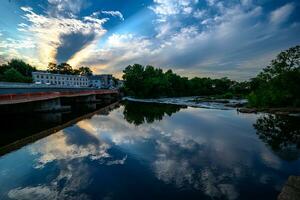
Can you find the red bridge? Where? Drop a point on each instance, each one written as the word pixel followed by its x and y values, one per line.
pixel 40 96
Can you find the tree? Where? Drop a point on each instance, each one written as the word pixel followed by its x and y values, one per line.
pixel 133 80
pixel 52 68
pixel 148 82
pixel 22 67
pixel 279 83
pixel 62 68
pixel 16 71
pixel 85 71
pixel 12 75
pixel 65 68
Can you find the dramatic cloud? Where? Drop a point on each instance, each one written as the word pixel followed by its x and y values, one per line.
pixel 51 34
pixel 203 38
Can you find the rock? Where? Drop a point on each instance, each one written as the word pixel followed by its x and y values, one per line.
pixel 294 114
pixel 247 110
pixel 291 190
pixel 281 113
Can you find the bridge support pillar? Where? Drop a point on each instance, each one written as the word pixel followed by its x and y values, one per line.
pixel 79 99
pixel 51 105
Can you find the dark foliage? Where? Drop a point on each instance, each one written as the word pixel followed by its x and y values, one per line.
pixel 65 68
pixel 16 71
pixel 279 83
pixel 145 82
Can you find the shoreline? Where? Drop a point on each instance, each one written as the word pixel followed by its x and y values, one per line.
pixel 239 105
pixel 290 111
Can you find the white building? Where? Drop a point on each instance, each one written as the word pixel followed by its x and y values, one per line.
pixel 95 82
pixel 101 81
pixel 63 80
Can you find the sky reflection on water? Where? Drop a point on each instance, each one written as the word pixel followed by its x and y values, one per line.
pixel 150 151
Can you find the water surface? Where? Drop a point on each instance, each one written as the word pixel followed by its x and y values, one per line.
pixel 154 151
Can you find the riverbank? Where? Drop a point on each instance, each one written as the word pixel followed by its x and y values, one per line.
pixel 214 103
pixel 278 111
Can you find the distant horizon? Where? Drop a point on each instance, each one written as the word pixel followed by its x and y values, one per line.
pixel 193 38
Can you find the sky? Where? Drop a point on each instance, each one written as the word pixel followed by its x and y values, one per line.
pixel 234 38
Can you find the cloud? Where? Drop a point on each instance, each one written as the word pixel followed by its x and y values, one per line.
pixel 229 40
pixel 114 13
pixel 65 7
pixel 164 8
pixel 10 43
pixel 119 50
pixel 282 14
pixel 194 38
pixel 53 35
pixel 199 14
pixel 211 2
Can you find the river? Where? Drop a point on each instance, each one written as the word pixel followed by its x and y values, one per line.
pixel 138 150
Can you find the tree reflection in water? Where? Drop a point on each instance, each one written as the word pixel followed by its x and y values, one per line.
pixel 138 113
pixel 282 133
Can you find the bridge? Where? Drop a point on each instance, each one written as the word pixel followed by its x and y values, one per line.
pixel 15 97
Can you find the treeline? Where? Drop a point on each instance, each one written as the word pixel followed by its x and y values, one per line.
pixel 277 85
pixel 150 82
pixel 65 68
pixel 19 71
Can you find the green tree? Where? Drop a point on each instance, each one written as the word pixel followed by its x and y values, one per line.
pixel 52 68
pixel 85 71
pixel 12 75
pixel 18 68
pixel 65 68
pixel 279 83
pixel 148 82
pixel 22 67
pixel 133 80
pixel 62 68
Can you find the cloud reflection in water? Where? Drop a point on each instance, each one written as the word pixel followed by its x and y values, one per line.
pixel 197 150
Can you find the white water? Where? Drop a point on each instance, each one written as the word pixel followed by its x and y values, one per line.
pixel 188 101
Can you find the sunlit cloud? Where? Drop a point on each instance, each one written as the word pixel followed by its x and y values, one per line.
pixel 47 32
pixel 204 38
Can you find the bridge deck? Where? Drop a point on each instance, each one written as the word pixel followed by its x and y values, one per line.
pixel 39 96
